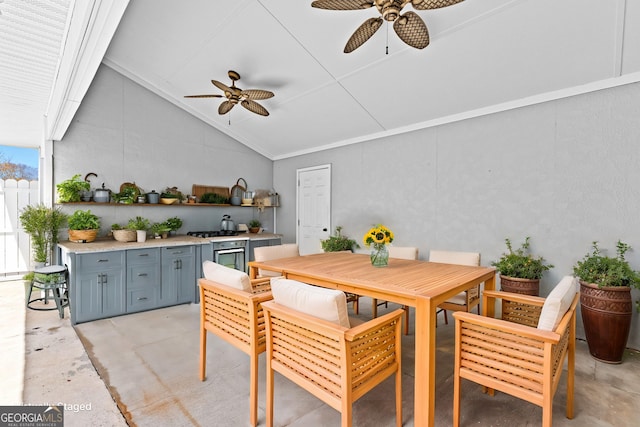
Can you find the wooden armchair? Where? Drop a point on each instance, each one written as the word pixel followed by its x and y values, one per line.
pixel 336 364
pixel 515 357
pixel 230 307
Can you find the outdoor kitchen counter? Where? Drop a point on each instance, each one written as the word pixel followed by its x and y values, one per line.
pixel 107 244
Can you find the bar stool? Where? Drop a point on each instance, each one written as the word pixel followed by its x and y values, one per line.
pixel 50 278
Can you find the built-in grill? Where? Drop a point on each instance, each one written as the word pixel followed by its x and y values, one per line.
pixel 213 233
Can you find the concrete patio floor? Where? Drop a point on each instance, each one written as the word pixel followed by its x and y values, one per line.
pixel 141 370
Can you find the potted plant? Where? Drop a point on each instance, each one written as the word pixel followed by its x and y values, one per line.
pixel 123 234
pixel 83 226
pixel 173 223
pixel 520 272
pixel 42 224
pixel 338 242
pixel 605 299
pixel 254 226
pixel 160 229
pixel 141 225
pixel 71 190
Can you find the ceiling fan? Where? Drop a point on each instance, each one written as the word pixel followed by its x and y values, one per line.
pixel 247 98
pixel 409 27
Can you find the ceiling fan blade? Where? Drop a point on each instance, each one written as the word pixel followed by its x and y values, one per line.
pixel 254 107
pixel 342 4
pixel 433 4
pixel 362 34
pixel 225 107
pixel 204 96
pixel 412 30
pixel 256 94
pixel 223 87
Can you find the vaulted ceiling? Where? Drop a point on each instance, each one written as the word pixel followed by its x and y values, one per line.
pixel 484 55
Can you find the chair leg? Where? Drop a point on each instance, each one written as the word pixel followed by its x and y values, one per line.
pixel 374 308
pixel 203 352
pixel 399 397
pixel 446 321
pixel 269 403
pixel 406 319
pixel 356 305
pixel 253 391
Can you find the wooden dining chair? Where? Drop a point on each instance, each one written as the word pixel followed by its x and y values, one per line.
pixel 266 253
pixel 311 342
pixel 399 252
pixel 522 353
pixel 464 301
pixel 230 308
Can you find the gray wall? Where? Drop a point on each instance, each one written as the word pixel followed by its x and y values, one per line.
pixel 564 172
pixel 124 133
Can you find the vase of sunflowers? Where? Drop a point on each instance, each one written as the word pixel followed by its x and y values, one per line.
pixel 377 239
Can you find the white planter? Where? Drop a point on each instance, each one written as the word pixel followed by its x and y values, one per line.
pixel 142 235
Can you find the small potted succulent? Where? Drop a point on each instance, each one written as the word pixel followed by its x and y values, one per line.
pixel 83 226
pixel 520 272
pixel 254 226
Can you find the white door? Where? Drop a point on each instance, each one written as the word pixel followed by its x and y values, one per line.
pixel 314 208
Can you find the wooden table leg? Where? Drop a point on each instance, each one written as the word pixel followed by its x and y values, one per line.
pixel 425 366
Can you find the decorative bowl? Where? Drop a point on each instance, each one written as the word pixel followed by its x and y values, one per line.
pixel 167 201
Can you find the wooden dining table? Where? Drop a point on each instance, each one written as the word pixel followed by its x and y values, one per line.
pixel 419 284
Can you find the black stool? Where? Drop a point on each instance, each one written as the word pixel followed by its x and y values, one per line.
pixel 50 278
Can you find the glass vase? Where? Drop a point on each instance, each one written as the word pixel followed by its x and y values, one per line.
pixel 379 255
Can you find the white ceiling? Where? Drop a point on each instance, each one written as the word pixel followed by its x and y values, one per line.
pixel 483 54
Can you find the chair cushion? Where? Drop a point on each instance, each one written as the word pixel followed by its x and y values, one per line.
pixel 226 276
pixel 327 304
pixel 265 253
pixel 557 303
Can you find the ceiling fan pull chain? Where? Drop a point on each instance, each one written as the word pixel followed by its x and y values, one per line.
pixel 387 48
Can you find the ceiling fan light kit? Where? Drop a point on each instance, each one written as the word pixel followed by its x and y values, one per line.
pixel 235 95
pixel 409 26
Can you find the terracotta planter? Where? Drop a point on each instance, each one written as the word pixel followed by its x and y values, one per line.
pixel 606 316
pixel 82 236
pixel 520 286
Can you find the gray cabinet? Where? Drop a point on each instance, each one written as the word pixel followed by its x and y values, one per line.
pixel 178 284
pixel 107 284
pixel 143 279
pixel 98 289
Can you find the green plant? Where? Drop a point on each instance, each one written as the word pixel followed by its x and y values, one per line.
pixel 71 189
pixel 117 227
pixel 172 193
pixel 254 223
pixel 214 198
pixel 159 228
pixel 83 220
pixel 127 196
pixel 138 223
pixel 607 271
pixel 520 263
pixel 338 242
pixel 173 223
pixel 42 224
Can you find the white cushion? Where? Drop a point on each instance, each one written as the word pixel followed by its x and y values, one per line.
pixel 454 257
pixel 557 303
pixel 266 253
pixel 226 276
pixel 327 304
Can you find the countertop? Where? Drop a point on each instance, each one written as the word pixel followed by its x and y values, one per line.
pixel 106 244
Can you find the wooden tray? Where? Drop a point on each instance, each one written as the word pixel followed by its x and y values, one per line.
pixel 199 190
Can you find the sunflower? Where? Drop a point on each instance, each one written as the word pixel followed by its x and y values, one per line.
pixel 378 235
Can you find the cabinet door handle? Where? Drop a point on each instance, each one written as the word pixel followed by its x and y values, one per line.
pixel 143 255
pixel 103 260
pixel 180 264
pixel 142 275
pixel 176 253
pixel 142 298
pixel 104 279
pixel 99 278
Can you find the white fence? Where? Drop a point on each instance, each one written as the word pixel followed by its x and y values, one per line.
pixel 15 250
